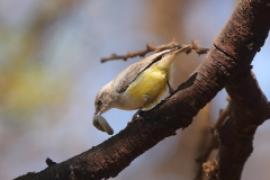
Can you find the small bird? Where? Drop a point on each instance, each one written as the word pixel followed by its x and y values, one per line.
pixel 141 85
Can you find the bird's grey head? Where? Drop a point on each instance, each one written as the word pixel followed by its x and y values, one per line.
pixel 104 99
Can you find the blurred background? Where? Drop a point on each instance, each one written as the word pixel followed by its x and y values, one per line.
pixel 50 72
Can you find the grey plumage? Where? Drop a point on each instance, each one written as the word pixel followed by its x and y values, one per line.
pixel 131 73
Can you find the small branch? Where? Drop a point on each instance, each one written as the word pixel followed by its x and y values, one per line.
pixel 205 155
pixel 210 168
pixel 213 144
pixel 150 48
pixel 223 115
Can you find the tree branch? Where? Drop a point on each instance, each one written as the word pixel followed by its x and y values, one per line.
pixel 204 159
pixel 249 108
pixel 150 48
pixel 242 37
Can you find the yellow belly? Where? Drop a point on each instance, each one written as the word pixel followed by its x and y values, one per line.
pixel 147 89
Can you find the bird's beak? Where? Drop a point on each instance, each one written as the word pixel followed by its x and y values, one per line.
pixel 182 49
pixel 101 110
pixel 97 113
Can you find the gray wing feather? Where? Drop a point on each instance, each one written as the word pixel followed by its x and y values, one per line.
pixel 127 76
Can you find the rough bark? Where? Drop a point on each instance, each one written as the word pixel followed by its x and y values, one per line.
pixel 230 57
pixel 249 108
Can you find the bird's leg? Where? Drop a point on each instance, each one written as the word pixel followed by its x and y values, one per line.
pixel 171 90
pixel 139 113
pixel 50 162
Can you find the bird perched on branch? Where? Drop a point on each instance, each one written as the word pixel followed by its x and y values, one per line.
pixel 141 85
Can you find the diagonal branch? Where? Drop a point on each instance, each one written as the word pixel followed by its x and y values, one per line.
pixel 242 37
pixel 249 109
pixel 193 46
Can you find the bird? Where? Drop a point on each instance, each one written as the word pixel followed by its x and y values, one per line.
pixel 142 85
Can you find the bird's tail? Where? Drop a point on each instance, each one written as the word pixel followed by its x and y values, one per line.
pixel 169 57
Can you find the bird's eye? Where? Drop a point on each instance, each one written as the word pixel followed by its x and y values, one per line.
pixel 159 57
pixel 98 103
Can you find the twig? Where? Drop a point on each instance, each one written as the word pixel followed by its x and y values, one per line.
pixel 204 156
pixel 210 168
pixel 150 48
pixel 212 145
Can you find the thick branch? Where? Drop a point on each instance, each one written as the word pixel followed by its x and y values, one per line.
pixel 242 38
pixel 249 108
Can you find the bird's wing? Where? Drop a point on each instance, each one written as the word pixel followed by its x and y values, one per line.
pixel 127 76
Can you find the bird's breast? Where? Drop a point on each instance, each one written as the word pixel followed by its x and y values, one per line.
pixel 146 89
